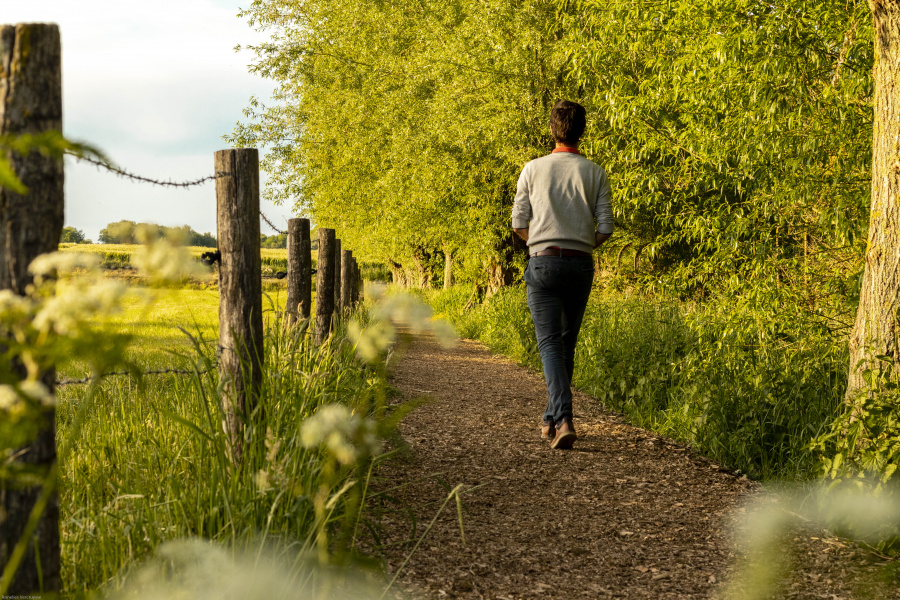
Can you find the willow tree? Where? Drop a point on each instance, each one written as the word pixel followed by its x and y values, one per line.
pixel 876 333
pixel 403 124
pixel 736 134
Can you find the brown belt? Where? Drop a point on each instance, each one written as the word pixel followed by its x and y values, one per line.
pixel 554 251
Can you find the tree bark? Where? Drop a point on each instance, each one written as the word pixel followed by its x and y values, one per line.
pixel 346 278
pixel 876 329
pixel 448 268
pixel 324 284
pixel 31 102
pixel 240 292
pixel 398 274
pixel 299 277
pixel 337 275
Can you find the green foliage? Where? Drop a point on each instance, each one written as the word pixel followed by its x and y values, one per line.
pixel 70 235
pixel 746 389
pixel 129 232
pixel 439 105
pixel 278 240
pixel 736 133
pixel 862 446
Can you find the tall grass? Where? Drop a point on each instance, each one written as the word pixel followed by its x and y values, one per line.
pixel 148 461
pixel 742 386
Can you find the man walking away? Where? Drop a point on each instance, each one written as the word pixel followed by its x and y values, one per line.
pixel 558 200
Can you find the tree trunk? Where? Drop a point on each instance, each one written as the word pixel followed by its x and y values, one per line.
pixel 448 268
pixel 398 275
pixel 31 103
pixel 420 275
pixel 876 329
pixel 500 271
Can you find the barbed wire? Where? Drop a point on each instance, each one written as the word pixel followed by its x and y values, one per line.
pixel 84 380
pixel 126 174
pixel 182 184
pixel 266 219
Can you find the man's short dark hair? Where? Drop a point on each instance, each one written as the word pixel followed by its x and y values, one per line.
pixel 567 122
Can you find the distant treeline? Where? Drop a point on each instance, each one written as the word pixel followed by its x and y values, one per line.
pixel 129 232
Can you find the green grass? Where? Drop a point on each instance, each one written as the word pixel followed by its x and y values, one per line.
pixel 157 326
pixel 148 462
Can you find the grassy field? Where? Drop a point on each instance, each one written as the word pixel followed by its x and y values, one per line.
pixel 155 319
pixel 119 255
pixel 273 260
pixel 145 459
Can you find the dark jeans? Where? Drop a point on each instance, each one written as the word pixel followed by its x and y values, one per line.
pixel 558 290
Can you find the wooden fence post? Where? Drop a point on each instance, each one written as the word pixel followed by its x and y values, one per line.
pixel 346 277
pixel 324 284
pixel 31 103
pixel 299 273
pixel 357 282
pixel 240 291
pixel 337 275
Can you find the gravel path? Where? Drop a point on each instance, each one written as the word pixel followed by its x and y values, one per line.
pixel 627 513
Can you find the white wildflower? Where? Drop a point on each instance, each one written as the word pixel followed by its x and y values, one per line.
pixel 406 310
pixel 373 340
pixel 48 265
pixel 346 435
pixel 166 261
pixel 65 313
pixel 261 479
pixel 37 391
pixel 444 332
pixel 373 290
pixel 13 307
pixel 9 398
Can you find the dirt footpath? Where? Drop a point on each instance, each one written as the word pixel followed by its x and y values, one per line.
pixel 627 513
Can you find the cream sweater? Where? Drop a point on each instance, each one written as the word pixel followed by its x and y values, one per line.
pixel 558 199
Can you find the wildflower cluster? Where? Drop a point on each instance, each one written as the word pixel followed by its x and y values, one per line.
pixel 164 259
pixel 344 434
pixel 404 310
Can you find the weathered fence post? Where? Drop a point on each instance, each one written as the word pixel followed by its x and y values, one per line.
pixel 357 282
pixel 337 275
pixel 324 284
pixel 346 276
pixel 31 103
pixel 240 291
pixel 299 273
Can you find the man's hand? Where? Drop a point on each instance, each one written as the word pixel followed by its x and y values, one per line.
pixel 522 233
pixel 599 238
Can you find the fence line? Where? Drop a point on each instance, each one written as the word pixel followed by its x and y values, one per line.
pixel 168 183
pixel 127 175
pixel 90 378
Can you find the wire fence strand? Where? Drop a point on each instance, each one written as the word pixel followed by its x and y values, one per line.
pixel 266 219
pixel 134 177
pixel 88 379
pixel 169 183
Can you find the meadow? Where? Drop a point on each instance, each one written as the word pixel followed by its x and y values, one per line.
pixel 143 459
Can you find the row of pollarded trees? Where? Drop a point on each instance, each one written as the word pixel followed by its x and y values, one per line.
pixel 737 134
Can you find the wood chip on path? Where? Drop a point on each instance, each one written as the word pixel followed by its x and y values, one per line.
pixel 626 513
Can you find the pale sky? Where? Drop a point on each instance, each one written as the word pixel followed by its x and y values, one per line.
pixel 154 85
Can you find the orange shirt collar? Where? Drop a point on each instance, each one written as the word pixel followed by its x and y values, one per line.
pixel 566 149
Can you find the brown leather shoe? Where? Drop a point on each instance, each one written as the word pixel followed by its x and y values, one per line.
pixel 548 430
pixel 565 436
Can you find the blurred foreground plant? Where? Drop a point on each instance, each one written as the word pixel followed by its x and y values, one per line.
pixel 765 526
